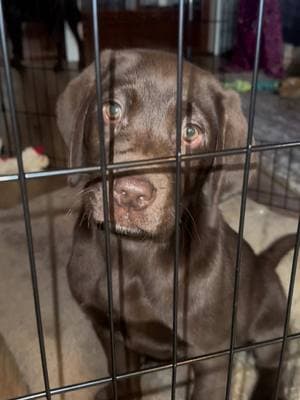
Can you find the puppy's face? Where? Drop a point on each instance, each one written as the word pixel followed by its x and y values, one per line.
pixel 139 113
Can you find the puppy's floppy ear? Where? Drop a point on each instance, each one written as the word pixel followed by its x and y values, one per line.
pixel 71 110
pixel 234 131
pixel 73 107
pixel 226 176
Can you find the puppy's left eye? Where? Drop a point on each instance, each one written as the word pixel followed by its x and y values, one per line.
pixel 112 111
pixel 192 134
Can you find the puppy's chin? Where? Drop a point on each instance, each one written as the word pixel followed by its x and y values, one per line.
pixel 124 224
pixel 133 226
pixel 130 232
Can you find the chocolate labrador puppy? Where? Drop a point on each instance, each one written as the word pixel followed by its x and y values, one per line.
pixel 139 94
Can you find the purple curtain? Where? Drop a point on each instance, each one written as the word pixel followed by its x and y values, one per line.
pixel 272 42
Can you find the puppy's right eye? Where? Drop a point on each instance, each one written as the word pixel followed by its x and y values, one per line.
pixel 112 111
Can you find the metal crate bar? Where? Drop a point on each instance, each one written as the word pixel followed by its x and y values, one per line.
pixel 25 204
pixel 104 168
pixel 188 361
pixel 105 194
pixel 244 199
pixel 177 190
pixel 150 162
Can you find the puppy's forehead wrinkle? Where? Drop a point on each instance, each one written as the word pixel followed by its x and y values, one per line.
pixel 150 102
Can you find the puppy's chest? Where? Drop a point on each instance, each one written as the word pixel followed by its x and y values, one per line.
pixel 136 299
pixel 144 326
pixel 140 286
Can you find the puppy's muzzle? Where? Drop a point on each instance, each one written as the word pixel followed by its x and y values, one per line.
pixel 135 193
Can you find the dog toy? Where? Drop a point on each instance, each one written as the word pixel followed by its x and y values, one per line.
pixel 34 160
pixel 290 87
pixel 238 85
pixel 242 86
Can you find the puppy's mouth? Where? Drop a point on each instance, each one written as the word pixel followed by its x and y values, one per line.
pixel 124 222
pixel 123 230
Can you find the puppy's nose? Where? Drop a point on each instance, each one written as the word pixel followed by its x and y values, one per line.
pixel 133 192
